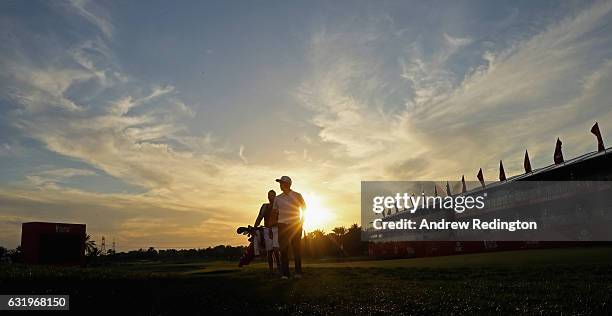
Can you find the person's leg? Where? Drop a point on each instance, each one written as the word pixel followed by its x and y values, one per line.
pixel 283 240
pixel 276 255
pixel 296 245
pixel 270 262
pixel 276 247
pixel 267 234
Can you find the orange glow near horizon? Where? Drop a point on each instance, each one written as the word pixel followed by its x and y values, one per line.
pixel 318 215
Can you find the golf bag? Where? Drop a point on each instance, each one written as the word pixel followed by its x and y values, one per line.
pixel 256 244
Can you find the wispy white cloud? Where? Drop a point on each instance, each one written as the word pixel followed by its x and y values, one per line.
pixel 519 96
pixel 84 9
pixel 47 87
pixel 67 172
pixel 53 178
pixel 241 154
pixel 11 150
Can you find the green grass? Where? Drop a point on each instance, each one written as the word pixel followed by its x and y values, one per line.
pixel 571 281
pixel 595 255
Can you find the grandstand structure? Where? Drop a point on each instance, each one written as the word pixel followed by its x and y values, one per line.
pixel 593 166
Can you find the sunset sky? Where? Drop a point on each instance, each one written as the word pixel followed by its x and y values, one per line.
pixel 164 124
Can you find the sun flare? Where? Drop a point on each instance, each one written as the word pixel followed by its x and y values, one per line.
pixel 318 215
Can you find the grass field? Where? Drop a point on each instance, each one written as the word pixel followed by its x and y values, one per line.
pixel 568 281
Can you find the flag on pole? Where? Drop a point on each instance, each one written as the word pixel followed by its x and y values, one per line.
pixel 481 177
pixel 463 189
pixel 558 157
pixel 527 163
pixel 600 144
pixel 502 173
pixel 448 191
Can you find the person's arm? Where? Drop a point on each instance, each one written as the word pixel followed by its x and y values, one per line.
pixel 260 216
pixel 274 213
pixel 302 202
pixel 302 206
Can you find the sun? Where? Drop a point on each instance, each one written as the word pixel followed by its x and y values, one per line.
pixel 317 214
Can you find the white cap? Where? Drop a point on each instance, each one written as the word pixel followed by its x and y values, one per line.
pixel 285 179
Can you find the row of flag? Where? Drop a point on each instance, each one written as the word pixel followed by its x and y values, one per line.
pixel 557 157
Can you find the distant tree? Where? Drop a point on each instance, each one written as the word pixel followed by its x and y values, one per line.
pixel 317 244
pixel 339 231
pixel 338 235
pixel 353 244
pixel 317 233
pixel 151 253
pixel 6 255
pixel 90 247
pixel 15 254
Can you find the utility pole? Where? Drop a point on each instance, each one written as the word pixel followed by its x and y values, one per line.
pixel 103 246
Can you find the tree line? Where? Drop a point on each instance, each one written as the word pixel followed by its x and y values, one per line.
pixel 340 242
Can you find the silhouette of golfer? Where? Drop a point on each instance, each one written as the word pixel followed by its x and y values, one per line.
pixel 270 231
pixel 288 205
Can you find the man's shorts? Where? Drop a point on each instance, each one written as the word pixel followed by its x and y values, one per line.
pixel 271 242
